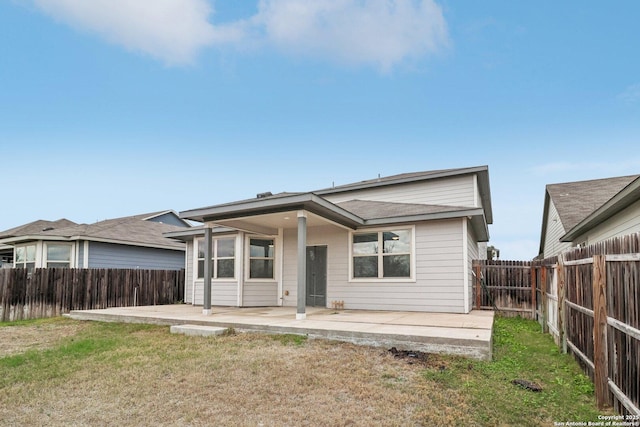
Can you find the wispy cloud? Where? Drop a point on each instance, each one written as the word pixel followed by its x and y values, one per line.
pixel 379 33
pixel 631 94
pixel 169 30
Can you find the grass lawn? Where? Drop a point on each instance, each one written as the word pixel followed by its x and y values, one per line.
pixel 62 372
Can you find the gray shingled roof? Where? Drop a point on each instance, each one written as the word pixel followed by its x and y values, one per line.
pixel 133 230
pixel 36 227
pixel 575 201
pixel 368 210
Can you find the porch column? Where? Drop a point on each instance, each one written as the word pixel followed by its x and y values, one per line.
pixel 302 266
pixel 206 307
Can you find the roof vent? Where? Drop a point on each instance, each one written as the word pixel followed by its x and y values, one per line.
pixel 48 229
pixel 263 195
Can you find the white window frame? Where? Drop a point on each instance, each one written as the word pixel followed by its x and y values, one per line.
pixel 25 262
pixel 215 258
pixel 45 258
pixel 248 258
pixel 380 255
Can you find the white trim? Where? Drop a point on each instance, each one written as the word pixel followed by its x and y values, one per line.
pixel 85 255
pixel 65 239
pixel 280 256
pixel 465 264
pixel 301 316
pixel 379 279
pixel 475 191
pixel 247 258
pixel 70 245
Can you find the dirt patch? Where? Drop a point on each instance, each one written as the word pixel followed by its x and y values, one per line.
pixel 40 336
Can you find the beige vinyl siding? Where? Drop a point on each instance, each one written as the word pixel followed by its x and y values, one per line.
pixel 188 278
pixel 260 294
pixel 336 240
pixel 452 191
pixel 624 222
pixel 440 270
pixel 555 230
pixel 222 293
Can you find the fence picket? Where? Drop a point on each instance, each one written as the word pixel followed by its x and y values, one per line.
pixel 51 292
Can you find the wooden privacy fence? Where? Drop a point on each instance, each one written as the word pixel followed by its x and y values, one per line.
pixel 589 300
pixel 48 292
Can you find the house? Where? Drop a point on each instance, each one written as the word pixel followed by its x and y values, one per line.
pixel 403 242
pixel 586 212
pixel 129 242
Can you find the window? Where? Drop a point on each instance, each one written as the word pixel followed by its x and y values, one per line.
pixel 382 254
pixel 58 255
pixel 222 258
pixel 261 258
pixel 26 257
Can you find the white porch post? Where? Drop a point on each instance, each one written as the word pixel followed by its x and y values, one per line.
pixel 206 307
pixel 302 266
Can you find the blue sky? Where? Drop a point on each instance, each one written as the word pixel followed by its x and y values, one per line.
pixel 111 108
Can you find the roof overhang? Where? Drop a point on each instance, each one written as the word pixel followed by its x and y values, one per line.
pixel 625 198
pixel 308 202
pixel 195 232
pixel 238 216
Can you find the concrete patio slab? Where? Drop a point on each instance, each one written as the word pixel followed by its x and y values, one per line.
pixel 462 334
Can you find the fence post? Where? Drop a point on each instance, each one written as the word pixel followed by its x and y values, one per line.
pixel 600 356
pixel 478 286
pixel 534 303
pixel 545 305
pixel 561 311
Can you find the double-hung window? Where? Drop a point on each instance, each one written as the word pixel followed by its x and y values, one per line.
pixel 26 257
pixel 58 255
pixel 222 258
pixel 261 258
pixel 382 254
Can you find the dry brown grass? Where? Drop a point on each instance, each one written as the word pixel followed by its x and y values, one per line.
pixel 36 335
pixel 146 376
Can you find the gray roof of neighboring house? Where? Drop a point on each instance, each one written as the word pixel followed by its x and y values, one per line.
pixel 35 227
pixel 620 201
pixel 133 230
pixel 574 201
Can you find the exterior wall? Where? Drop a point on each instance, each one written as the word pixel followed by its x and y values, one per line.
pixel 453 191
pixel 260 292
pixel 223 292
pixel 109 255
pixel 473 253
pixel 624 222
pixel 440 271
pixel 555 230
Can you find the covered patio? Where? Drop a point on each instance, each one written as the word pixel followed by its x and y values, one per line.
pixel 461 334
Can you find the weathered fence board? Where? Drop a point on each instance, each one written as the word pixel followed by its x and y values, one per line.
pixel 54 291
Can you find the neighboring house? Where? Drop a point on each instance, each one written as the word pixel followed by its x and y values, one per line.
pixel 129 242
pixel 586 212
pixel 404 242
